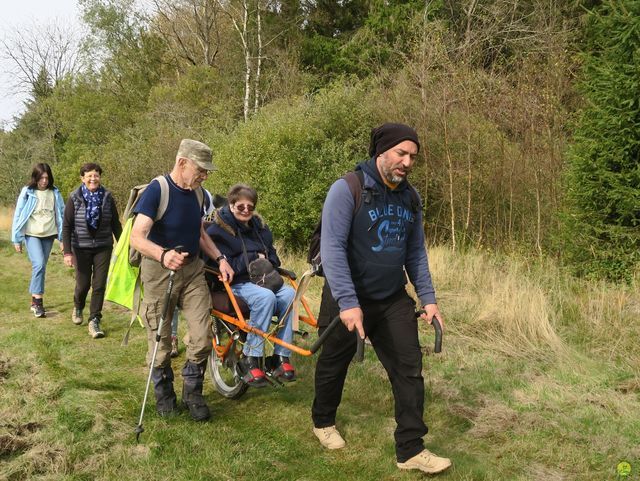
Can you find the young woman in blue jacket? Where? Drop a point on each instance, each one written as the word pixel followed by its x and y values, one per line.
pixel 37 221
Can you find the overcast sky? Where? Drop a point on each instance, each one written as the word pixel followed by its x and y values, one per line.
pixel 26 13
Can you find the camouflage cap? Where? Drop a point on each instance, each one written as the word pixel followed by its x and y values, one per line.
pixel 197 152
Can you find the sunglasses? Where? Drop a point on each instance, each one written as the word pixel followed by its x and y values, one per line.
pixel 248 207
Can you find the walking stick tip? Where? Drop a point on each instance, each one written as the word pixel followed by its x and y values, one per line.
pixel 139 430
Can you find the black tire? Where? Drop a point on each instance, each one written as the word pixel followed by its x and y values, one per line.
pixel 223 372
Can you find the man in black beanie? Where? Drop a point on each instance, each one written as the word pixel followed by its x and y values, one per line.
pixel 365 253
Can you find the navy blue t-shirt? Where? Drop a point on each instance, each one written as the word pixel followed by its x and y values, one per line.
pixel 181 222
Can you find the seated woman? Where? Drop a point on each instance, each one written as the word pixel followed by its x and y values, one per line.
pixel 242 236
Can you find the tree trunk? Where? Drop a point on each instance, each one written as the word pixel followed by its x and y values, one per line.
pixel 256 80
pixel 247 60
pixel 452 210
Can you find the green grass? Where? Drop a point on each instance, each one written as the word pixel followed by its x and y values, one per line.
pixel 519 393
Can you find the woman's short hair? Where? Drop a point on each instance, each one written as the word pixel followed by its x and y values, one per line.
pixel 242 191
pixel 88 167
pixel 37 172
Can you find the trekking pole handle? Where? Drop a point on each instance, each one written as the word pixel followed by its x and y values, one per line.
pixel 437 347
pixel 178 249
pixel 359 356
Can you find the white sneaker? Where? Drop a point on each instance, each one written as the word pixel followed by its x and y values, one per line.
pixel 329 437
pixel 426 461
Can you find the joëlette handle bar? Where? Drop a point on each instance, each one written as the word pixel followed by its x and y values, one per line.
pixel 437 347
pixel 359 356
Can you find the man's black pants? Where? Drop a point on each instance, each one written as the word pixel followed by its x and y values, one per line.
pixel 392 329
pixel 92 267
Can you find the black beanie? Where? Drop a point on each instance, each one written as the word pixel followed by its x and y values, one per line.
pixel 388 135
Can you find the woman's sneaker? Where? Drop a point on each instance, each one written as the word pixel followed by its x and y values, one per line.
pixel 38 308
pixel 94 328
pixel 76 316
pixel 281 368
pixel 250 372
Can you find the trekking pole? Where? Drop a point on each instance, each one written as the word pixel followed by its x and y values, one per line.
pixel 437 347
pixel 167 297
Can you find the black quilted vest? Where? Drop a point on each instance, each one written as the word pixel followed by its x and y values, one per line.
pixel 84 238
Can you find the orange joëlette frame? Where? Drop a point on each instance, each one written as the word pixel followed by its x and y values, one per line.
pixel 240 322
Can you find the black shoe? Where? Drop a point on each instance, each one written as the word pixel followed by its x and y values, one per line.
pixel 166 401
pixel 251 373
pixel 281 368
pixel 192 398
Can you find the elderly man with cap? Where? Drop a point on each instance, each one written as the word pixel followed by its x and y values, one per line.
pixel 365 255
pixel 157 240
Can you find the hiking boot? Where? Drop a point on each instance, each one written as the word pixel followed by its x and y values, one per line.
pixel 76 316
pixel 166 401
pixel 37 307
pixel 192 398
pixel 281 368
pixel 174 346
pixel 94 328
pixel 329 437
pixel 251 373
pixel 427 462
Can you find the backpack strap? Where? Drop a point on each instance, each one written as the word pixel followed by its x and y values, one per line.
pixel 355 180
pixel 415 199
pixel 200 195
pixel 164 197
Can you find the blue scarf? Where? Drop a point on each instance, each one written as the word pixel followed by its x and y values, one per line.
pixel 93 201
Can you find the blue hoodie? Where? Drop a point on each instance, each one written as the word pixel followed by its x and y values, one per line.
pixel 365 254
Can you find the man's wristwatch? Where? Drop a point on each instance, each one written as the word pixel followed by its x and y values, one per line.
pixel 221 257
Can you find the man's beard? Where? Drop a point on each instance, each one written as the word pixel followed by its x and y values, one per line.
pixel 393 179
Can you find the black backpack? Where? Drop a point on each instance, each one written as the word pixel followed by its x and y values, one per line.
pixel 355 180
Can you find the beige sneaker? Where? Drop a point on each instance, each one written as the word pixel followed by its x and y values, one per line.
pixel 329 437
pixel 426 461
pixel 76 316
pixel 94 328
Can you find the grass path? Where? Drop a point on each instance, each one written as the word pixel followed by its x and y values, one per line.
pixel 69 405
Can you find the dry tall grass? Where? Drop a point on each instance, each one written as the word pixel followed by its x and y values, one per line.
pixel 518 305
pixel 493 303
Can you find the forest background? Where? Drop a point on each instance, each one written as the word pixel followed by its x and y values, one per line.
pixel 527 111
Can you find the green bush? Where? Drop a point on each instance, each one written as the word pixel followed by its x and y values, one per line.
pixel 292 152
